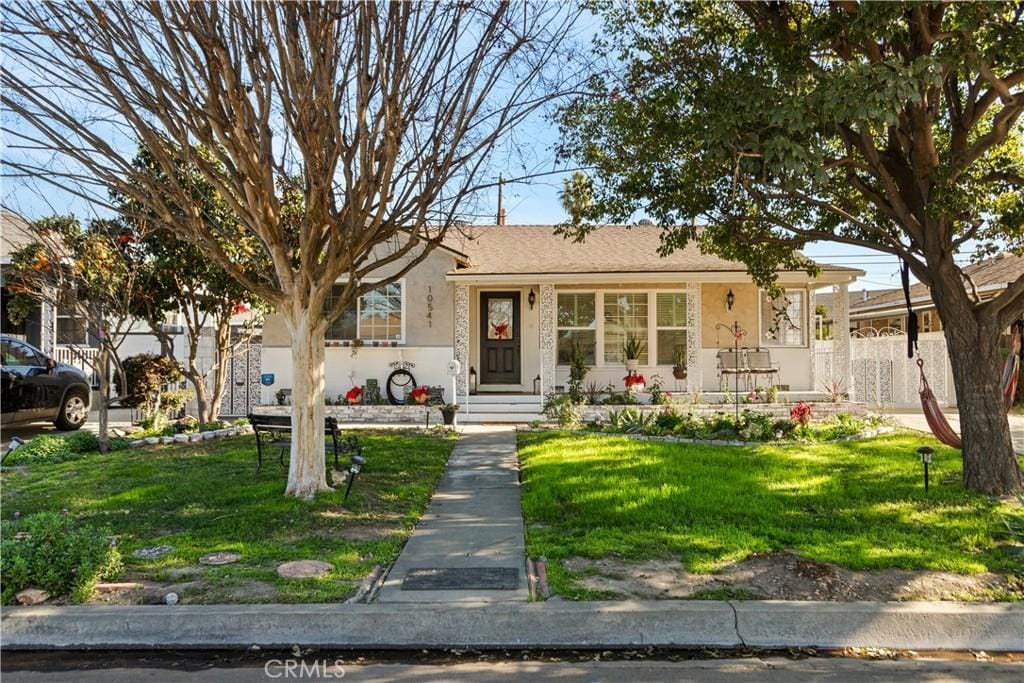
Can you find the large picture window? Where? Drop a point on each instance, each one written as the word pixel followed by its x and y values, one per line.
pixel 670 319
pixel 783 319
pixel 375 316
pixel 577 325
pixel 625 315
pixel 70 330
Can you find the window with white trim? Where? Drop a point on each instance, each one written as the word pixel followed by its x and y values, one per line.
pixel 783 319
pixel 577 326
pixel 625 315
pixel 70 330
pixel 375 316
pixel 670 327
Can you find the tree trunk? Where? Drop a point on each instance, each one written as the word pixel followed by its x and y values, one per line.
pixel 989 462
pixel 306 472
pixel 104 371
pixel 223 357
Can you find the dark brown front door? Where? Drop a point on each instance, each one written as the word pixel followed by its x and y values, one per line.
pixel 499 338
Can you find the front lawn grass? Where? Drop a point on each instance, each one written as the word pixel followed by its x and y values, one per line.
pixel 207 497
pixel 858 504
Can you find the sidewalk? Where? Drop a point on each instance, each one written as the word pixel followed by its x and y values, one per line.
pixel 469 545
pixel 914 419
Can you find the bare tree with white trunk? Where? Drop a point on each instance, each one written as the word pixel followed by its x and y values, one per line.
pixel 386 117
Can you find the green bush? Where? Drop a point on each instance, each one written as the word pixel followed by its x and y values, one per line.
pixel 56 555
pixel 145 377
pixel 44 448
pixel 214 425
pixel 83 442
pixel 563 409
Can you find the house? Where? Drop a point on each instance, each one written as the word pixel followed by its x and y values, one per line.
pixel 885 310
pixel 511 301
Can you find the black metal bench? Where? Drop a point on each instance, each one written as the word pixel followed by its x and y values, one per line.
pixel 274 431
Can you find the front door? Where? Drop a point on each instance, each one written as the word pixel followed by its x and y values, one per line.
pixel 499 338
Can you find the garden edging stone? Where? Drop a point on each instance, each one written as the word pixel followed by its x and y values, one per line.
pixel 552 625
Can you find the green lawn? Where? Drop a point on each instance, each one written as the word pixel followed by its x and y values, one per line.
pixel 858 504
pixel 207 497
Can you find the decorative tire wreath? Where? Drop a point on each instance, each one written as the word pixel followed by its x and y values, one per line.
pixel 400 382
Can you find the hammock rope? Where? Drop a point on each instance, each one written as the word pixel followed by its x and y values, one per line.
pixel 938 423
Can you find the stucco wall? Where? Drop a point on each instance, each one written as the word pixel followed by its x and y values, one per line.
pixel 714 312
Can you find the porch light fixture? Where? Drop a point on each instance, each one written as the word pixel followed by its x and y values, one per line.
pixel 536 384
pixel 730 299
pixel 472 380
pixel 926 458
pixel 531 298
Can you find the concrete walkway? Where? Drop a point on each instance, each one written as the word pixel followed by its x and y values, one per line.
pixel 914 419
pixel 471 535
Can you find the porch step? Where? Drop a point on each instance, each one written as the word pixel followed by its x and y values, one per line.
pixel 475 407
pixel 474 417
pixel 502 399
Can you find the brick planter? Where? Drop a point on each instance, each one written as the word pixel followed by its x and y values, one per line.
pixel 819 411
pixel 379 414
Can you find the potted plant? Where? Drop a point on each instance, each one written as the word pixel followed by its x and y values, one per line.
pixel 679 368
pixel 448 411
pixel 632 350
pixel 420 395
pixel 634 382
pixel 354 395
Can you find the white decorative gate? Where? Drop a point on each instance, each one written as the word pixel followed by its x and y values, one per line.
pixel 242 393
pixel 884 376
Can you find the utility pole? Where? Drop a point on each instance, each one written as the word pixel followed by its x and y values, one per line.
pixel 501 207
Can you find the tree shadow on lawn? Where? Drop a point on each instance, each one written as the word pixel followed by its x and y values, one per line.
pixel 208 498
pixel 859 504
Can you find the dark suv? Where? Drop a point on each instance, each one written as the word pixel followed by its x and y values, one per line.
pixel 37 388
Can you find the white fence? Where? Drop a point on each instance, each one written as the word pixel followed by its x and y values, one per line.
pixel 81 357
pixel 881 373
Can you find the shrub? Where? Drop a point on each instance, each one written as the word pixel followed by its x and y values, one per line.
pixel 563 409
pixel 173 402
pixel 240 422
pixel 214 425
pixel 801 414
pixel 83 442
pixel 56 555
pixel 45 448
pixel 145 376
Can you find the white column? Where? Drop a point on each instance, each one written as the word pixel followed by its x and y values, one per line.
pixel 462 337
pixel 547 339
pixel 694 367
pixel 841 361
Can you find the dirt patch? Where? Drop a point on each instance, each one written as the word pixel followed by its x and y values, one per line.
pixel 368 532
pixel 784 576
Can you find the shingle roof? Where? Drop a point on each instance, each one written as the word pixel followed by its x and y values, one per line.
pixel 536 249
pixel 992 272
pixel 14 233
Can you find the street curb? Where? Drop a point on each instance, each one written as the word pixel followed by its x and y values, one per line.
pixel 551 625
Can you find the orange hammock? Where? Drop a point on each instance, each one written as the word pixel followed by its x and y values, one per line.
pixel 938 423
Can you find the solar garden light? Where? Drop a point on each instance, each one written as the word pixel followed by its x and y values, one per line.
pixel 926 458
pixel 354 466
pixel 14 444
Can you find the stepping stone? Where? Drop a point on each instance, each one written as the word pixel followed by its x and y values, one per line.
pixel 303 569
pixel 153 552
pixel 226 557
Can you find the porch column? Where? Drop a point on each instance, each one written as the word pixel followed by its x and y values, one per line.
pixel 462 338
pixel 48 328
pixel 694 367
pixel 841 361
pixel 547 339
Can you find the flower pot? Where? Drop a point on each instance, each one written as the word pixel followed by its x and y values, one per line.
pixel 448 416
pixel 420 400
pixel 679 371
pixel 354 401
pixel 632 364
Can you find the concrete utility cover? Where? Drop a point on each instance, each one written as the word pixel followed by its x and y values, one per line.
pixel 303 569
pixel 226 557
pixel 468 578
pixel 153 552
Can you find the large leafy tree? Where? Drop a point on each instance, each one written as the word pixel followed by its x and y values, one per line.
pixel 177 277
pixel 891 126
pixel 388 115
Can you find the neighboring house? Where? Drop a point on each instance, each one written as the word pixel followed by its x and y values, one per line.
pixel 509 302
pixel 885 310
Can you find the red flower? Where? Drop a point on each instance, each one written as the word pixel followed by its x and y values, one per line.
pixel 500 329
pixel 801 413
pixel 419 394
pixel 240 308
pixel 354 394
pixel 632 380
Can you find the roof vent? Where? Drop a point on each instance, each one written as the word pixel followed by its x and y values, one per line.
pixel 1000 256
pixel 645 221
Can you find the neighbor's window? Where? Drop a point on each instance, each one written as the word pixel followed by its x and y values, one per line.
pixel 577 324
pixel 670 316
pixel 624 315
pixel 70 331
pixel 376 316
pixel 782 319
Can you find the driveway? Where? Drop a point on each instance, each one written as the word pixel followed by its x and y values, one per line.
pixel 914 419
pixel 120 418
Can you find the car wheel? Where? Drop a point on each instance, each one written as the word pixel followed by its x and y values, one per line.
pixel 74 411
